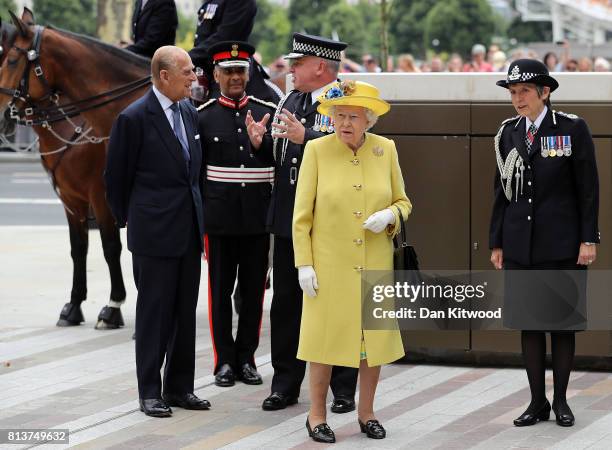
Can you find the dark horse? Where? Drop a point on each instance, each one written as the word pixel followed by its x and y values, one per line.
pixel 70 88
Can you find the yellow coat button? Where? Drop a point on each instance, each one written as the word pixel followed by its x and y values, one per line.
pixel 355 162
pixel 357 186
pixel 358 241
pixel 358 268
pixel 358 213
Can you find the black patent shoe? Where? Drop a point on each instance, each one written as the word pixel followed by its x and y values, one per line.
pixel 70 316
pixel 321 433
pixel 278 400
pixel 342 405
pixel 373 429
pixel 249 375
pixel 531 418
pixel 563 415
pixel 187 401
pixel 155 407
pixel 225 376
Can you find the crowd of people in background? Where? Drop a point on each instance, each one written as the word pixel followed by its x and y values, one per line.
pixel 482 59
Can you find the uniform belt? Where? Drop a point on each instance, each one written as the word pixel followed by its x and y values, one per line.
pixel 240 174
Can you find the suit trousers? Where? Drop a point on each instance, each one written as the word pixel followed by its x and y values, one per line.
pixel 166 320
pixel 285 317
pixel 246 256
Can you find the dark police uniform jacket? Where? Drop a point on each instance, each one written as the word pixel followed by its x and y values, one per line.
pixel 280 215
pixel 153 26
pixel 221 20
pixel 239 207
pixel 558 207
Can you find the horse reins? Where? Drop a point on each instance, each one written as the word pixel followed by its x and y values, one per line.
pixel 31 114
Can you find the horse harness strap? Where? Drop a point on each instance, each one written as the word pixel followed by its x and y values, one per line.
pixel 34 115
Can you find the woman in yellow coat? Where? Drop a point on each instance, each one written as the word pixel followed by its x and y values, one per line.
pixel 349 192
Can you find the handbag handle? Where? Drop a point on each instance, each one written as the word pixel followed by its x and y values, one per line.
pixel 402 233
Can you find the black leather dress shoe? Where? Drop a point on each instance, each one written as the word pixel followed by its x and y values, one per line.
pixel 531 417
pixel 249 375
pixel 278 400
pixel 155 407
pixel 225 376
pixel 321 433
pixel 563 415
pixel 373 429
pixel 342 405
pixel 186 401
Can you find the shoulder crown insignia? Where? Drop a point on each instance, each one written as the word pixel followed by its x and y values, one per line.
pixel 515 74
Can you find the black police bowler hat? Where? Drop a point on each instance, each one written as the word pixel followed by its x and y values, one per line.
pixel 231 53
pixel 309 45
pixel 528 71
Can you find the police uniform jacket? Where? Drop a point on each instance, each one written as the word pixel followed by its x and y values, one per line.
pixel 153 26
pixel 234 206
pixel 221 20
pixel 556 208
pixel 287 167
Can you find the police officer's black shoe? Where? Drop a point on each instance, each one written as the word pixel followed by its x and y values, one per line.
pixel 186 401
pixel 155 407
pixel 70 316
pixel 225 376
pixel 342 405
pixel 533 415
pixel 563 414
pixel 278 400
pixel 249 375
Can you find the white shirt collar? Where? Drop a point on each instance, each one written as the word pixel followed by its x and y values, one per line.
pixel 538 121
pixel 164 101
pixel 319 91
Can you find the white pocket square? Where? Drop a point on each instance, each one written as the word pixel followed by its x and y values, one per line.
pixel 196 137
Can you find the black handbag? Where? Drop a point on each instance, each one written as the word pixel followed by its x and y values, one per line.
pixel 404 255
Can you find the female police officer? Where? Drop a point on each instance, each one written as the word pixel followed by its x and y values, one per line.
pixel 544 218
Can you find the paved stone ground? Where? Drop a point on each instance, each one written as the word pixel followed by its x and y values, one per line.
pixel 84 380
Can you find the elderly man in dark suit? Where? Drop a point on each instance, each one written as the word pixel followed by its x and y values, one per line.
pixel 153 184
pixel 154 25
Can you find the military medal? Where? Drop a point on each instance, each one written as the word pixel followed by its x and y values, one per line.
pixel 567 145
pixel 331 127
pixel 543 147
pixel 324 124
pixel 551 146
pixel 559 145
pixel 317 126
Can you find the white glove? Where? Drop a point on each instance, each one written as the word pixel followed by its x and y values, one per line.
pixel 308 280
pixel 379 220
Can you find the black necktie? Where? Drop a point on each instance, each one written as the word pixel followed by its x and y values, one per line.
pixel 307 101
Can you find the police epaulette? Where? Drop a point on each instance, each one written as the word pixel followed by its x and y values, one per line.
pixel 207 104
pixel 263 102
pixel 510 119
pixel 569 116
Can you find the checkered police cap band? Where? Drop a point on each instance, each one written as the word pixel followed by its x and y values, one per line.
pixel 316 50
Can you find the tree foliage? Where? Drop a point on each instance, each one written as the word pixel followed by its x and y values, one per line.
pixel 271 34
pixel 525 32
pixel 310 15
pixel 78 16
pixel 407 25
pixel 456 25
pixel 346 22
pixel 5 7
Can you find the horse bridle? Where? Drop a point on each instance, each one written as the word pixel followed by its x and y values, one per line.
pixel 32 114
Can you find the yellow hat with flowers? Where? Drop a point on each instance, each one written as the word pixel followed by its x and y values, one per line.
pixel 352 93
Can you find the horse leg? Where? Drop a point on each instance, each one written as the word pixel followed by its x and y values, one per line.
pixel 110 316
pixel 71 313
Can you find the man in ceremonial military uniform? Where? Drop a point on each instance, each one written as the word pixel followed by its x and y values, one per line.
pixel 314 65
pixel 236 193
pixel 154 24
pixel 225 20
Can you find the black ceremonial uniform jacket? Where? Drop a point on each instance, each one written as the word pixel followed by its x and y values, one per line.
pixel 153 26
pixel 233 208
pixel 558 207
pixel 221 20
pixel 280 216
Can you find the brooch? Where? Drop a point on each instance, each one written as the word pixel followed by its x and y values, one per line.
pixel 378 151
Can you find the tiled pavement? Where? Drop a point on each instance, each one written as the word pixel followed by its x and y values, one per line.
pixel 84 380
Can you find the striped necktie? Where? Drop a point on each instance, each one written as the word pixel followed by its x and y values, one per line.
pixel 530 137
